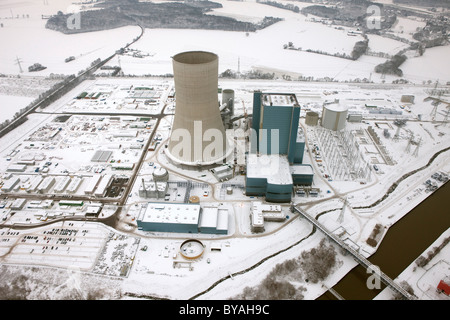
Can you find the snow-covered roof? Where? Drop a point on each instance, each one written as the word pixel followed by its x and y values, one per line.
pixel 273 167
pixel 171 213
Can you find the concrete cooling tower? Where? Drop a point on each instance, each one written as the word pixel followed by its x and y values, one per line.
pixel 198 135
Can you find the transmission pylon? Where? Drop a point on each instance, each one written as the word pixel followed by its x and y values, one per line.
pixel 410 141
pixel 341 215
pixel 416 150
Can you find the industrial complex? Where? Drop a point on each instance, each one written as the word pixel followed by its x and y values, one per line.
pixel 193 173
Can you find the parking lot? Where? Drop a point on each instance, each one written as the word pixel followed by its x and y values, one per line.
pixel 61 245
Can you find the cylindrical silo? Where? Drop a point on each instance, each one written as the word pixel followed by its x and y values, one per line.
pixel 198 135
pixel 228 98
pixel 312 118
pixel 160 175
pixel 334 116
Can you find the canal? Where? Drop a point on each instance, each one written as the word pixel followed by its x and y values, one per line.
pixel 405 241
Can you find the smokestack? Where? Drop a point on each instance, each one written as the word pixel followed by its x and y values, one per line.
pixel 198 135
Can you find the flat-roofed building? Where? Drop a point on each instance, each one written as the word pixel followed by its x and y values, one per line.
pixel 93 183
pixel 74 185
pixel 183 218
pixel 261 212
pixel 62 184
pixel 173 217
pixel 101 156
pixel 269 176
pixel 103 185
pixel 276 123
pixel 302 174
pixel 10 184
pixel 46 185
pixel 18 204
pixel 213 220
pixel 223 172
pixel 17 168
pixel 34 184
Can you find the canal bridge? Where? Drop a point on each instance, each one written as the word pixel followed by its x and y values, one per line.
pixel 357 256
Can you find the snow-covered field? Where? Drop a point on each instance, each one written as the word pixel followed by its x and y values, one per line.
pixel 28 42
pixel 11 104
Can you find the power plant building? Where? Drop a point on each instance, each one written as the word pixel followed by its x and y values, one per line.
pixel 275 123
pixel 269 176
pixel 277 144
pixel 153 189
pixel 198 134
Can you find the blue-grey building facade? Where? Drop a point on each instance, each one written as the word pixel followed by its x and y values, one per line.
pixel 277 136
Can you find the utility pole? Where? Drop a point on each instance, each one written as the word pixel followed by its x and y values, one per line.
pixel 18 61
pixel 239 67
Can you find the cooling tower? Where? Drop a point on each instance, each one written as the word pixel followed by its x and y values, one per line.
pixel 198 135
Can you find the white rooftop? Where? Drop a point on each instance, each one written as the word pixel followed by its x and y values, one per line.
pixel 214 217
pixel 302 169
pixel 279 99
pixel 336 106
pixel 171 213
pixel 273 167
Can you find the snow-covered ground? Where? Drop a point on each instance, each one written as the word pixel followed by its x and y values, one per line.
pixel 241 251
pixel 11 104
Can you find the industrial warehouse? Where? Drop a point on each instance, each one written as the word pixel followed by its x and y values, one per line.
pixel 203 175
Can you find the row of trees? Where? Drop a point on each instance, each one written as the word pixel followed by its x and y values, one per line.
pixel 284 282
pixel 252 74
pixel 423 261
pixel 287 6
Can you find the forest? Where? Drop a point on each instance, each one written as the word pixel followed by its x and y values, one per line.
pixel 113 14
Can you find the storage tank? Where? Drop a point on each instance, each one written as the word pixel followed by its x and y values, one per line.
pixel 334 116
pixel 228 98
pixel 160 174
pixel 312 118
pixel 198 135
pixel 194 199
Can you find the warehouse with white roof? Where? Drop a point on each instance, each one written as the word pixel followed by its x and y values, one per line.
pixel 183 218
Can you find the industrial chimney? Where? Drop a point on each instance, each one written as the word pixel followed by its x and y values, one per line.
pixel 198 135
